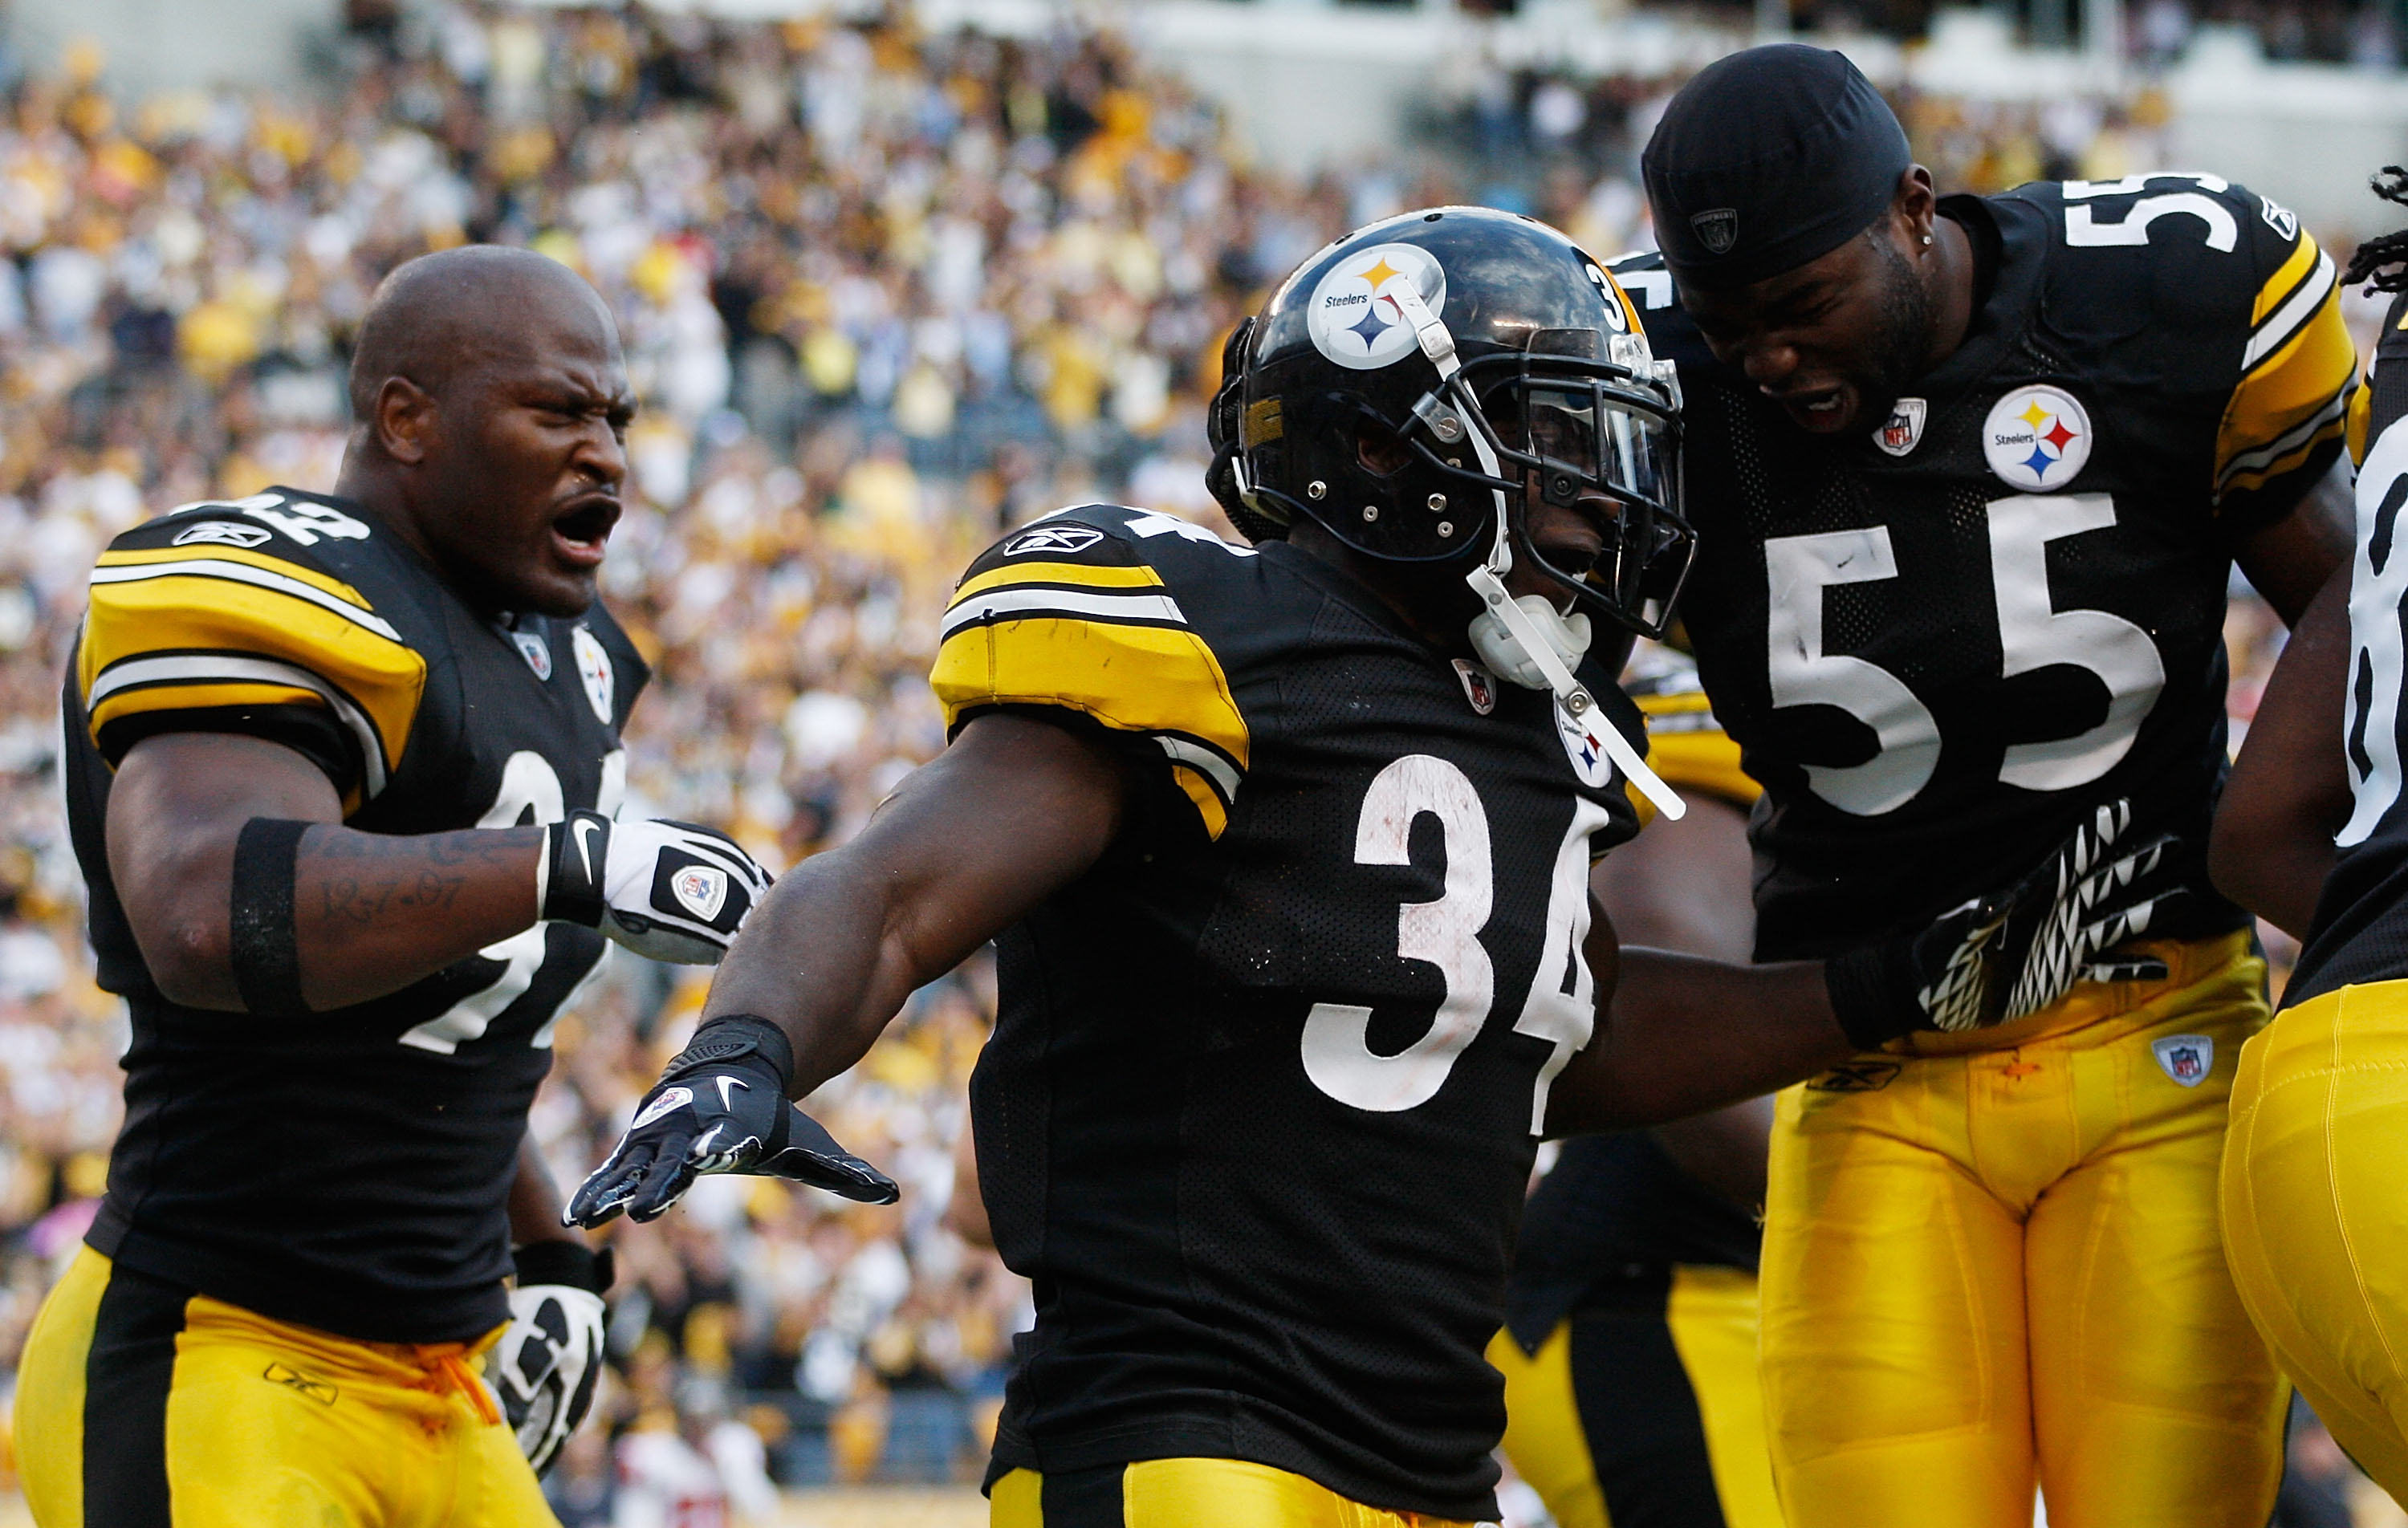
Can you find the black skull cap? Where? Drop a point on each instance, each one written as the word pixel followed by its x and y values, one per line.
pixel 1766 159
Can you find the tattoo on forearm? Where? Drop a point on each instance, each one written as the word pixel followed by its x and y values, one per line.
pixel 361 902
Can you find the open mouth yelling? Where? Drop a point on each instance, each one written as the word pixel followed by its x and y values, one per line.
pixel 581 532
pixel 1821 409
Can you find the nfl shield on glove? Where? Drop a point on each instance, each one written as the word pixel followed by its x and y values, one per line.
pixel 545 1367
pixel 720 1107
pixel 672 891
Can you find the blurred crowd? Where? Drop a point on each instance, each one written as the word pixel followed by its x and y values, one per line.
pixel 882 292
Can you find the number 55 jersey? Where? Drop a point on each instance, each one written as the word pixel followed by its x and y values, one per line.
pixel 1941 642
pixel 1263 1095
pixel 348 1170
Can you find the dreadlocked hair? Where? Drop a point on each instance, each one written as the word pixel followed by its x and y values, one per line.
pixel 2382 261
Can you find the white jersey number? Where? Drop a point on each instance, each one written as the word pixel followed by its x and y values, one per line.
pixel 2032 634
pixel 530 795
pixel 2378 604
pixel 1445 933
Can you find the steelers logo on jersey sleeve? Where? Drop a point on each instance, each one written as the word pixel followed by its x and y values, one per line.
pixel 1354 316
pixel 2037 438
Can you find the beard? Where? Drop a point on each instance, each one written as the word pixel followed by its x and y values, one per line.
pixel 1903 334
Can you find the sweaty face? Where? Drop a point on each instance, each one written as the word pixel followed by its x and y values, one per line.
pixel 522 484
pixel 1833 342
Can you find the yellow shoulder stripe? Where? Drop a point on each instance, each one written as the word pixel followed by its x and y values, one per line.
pixel 180 640
pixel 1706 762
pixel 2361 413
pixel 1156 678
pixel 2286 275
pixel 1081 575
pixel 2293 401
pixel 205 552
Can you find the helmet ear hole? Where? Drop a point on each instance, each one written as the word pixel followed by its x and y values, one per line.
pixel 1379 449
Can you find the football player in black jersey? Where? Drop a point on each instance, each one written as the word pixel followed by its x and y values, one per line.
pixel 343 773
pixel 2311 833
pixel 1631 1397
pixel 1287 847
pixel 1970 475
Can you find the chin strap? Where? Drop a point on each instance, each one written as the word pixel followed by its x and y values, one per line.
pixel 1488 579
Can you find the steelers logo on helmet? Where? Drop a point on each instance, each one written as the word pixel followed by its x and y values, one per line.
pixel 1354 316
pixel 2037 438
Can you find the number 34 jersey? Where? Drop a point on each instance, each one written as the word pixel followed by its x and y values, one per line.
pixel 346 1170
pixel 1258 1112
pixel 1941 642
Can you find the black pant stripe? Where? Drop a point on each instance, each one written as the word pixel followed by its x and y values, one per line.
pixel 126 1376
pixel 1639 1413
pixel 1089 1498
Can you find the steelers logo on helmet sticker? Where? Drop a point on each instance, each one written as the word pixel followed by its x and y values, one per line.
pixel 2037 438
pixel 1354 316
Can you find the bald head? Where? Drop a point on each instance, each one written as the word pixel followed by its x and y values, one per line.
pixel 490 406
pixel 443 314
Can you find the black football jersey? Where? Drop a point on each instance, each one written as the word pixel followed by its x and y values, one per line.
pixel 346 1170
pixel 1942 643
pixel 1262 1097
pixel 2360 932
pixel 1616 1210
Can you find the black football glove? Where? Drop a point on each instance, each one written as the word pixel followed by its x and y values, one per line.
pixel 671 890
pixel 547 1363
pixel 2006 954
pixel 720 1107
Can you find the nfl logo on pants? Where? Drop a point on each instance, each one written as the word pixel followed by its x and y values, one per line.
pixel 2186 1057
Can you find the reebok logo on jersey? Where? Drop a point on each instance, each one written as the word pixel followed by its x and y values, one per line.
pixel 2037 438
pixel 670 1100
pixel 301 1384
pixel 2186 1057
pixel 1064 540
pixel 1856 1076
pixel 223 534
pixel 700 890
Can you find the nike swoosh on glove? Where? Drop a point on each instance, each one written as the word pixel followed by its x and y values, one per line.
pixel 672 891
pixel 545 1367
pixel 2006 954
pixel 720 1107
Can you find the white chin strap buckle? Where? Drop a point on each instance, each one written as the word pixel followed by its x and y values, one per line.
pixel 1570 694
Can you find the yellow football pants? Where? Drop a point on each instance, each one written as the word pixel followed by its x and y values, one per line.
pixel 2316 1211
pixel 1185 1494
pixel 1994 1261
pixel 1680 1437
pixel 141 1406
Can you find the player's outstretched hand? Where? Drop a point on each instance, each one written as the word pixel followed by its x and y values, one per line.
pixel 2013 952
pixel 671 890
pixel 546 1363
pixel 720 1107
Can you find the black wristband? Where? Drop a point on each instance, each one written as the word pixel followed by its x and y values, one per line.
pixel 261 944
pixel 575 852
pixel 1872 994
pixel 731 1036
pixel 569 1263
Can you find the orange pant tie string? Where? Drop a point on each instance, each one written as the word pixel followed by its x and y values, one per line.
pixel 455 1369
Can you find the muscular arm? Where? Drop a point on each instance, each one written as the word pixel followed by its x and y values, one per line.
pixel 372 912
pixel 1678 1034
pixel 2290 560
pixel 1683 885
pixel 2273 845
pixel 1013 811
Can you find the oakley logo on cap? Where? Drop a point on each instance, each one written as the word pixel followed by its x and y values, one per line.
pixel 1717 228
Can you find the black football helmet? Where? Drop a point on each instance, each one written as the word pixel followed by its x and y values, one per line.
pixel 1478 348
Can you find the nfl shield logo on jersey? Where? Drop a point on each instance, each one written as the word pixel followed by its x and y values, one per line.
pixel 2187 1058
pixel 1905 426
pixel 536 650
pixel 1479 686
